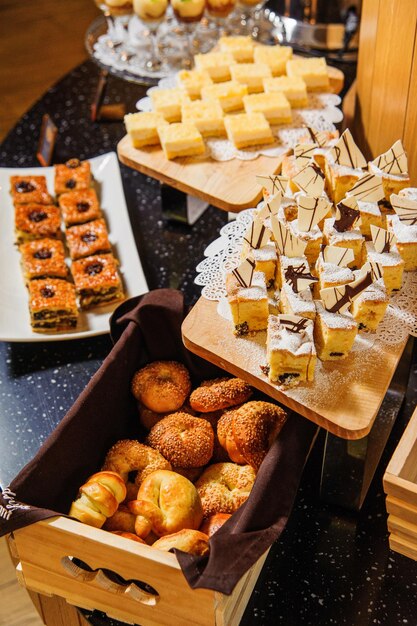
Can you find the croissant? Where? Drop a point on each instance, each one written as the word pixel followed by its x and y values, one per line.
pixel 99 498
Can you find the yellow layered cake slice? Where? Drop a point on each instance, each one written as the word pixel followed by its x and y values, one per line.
pixel 250 74
pixel 142 128
pixel 245 130
pixel 390 264
pixel 266 262
pixel 313 71
pixel 313 238
pixel 293 88
pixel 192 82
pixel 240 47
pixel 331 274
pixel 168 102
pixel 334 333
pixel 392 166
pixel 182 139
pixel 370 215
pixel 290 349
pixel 248 304
pixel 274 106
pixel 229 94
pixel 216 64
pixel 369 308
pixel 352 238
pixel 275 57
pixel 296 303
pixel 206 115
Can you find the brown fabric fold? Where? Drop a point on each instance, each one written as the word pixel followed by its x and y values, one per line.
pixel 144 329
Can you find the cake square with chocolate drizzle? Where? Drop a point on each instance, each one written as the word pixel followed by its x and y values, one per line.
pixel 79 206
pixel 29 189
pixel 97 280
pixel 74 174
pixel 52 305
pixel 87 239
pixel 43 258
pixel 37 221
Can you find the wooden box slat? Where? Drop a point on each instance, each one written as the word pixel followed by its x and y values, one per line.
pixel 401 509
pixel 43 546
pixel 348 411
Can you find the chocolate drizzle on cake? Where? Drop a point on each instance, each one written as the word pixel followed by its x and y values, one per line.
pixel 273 184
pixel 368 189
pixel 338 299
pixel 298 277
pixel 244 273
pixel 346 215
pixel 310 180
pixel 311 211
pixel 405 209
pixel 37 216
pixel 43 253
pixel 337 255
pixel 271 206
pixel 257 235
pixel 318 137
pixel 294 324
pixel 394 161
pixel 24 186
pixel 304 153
pixel 286 243
pixel 347 153
pixel 377 270
pixel 382 239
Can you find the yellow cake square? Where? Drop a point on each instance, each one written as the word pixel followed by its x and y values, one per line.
pixel 334 333
pixel 293 88
pixel 248 305
pixel 229 94
pixel 168 102
pixel 181 139
pixel 349 239
pixel 369 307
pixel 296 303
pixel 248 129
pixel 313 71
pixel 241 47
pixel 192 81
pixel 290 349
pixel 206 115
pixel 406 245
pixel 274 106
pixel 266 261
pixel 216 64
pixel 251 74
pixel 275 57
pixel 142 128
pixel 284 262
pixel 390 263
pixel 370 214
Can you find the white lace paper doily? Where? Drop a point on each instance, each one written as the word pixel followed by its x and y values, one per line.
pixel 321 113
pixel 223 255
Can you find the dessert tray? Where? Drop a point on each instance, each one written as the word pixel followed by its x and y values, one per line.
pixel 345 395
pixel 224 175
pixel 14 314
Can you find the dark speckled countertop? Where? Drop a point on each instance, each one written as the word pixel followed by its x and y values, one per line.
pixel 330 566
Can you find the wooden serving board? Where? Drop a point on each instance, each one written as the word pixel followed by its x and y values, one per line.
pixel 228 185
pixel 345 396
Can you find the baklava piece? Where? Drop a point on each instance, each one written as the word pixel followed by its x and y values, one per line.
pixel 87 239
pixel 180 140
pixel 74 174
pixel 43 258
pixel 275 57
pixel 79 207
pixel 248 305
pixel 97 280
pixel 290 349
pixel 37 221
pixel 334 333
pixel 274 106
pixel 250 74
pixel 142 128
pixel 52 305
pixel 245 130
pixel 29 190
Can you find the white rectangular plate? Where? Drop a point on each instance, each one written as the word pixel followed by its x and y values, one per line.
pixel 14 310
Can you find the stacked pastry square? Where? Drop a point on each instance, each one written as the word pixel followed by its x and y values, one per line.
pixel 239 91
pixel 327 248
pixel 93 277
pixel 197 466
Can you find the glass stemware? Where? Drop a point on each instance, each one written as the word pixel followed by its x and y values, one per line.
pixel 151 13
pixel 218 11
pixel 188 13
pixel 245 17
pixel 117 14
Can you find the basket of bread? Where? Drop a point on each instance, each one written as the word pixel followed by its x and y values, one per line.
pixel 160 493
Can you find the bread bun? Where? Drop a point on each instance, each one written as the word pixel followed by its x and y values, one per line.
pixel 98 498
pixel 192 541
pixel 162 386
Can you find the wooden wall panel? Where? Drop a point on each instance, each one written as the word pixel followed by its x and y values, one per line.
pixel 410 130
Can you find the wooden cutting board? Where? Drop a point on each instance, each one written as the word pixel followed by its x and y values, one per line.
pixel 228 185
pixel 345 396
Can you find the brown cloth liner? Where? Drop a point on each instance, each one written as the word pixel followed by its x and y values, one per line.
pixel 144 329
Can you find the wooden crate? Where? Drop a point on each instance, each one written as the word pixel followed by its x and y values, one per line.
pixel 400 485
pixel 45 567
